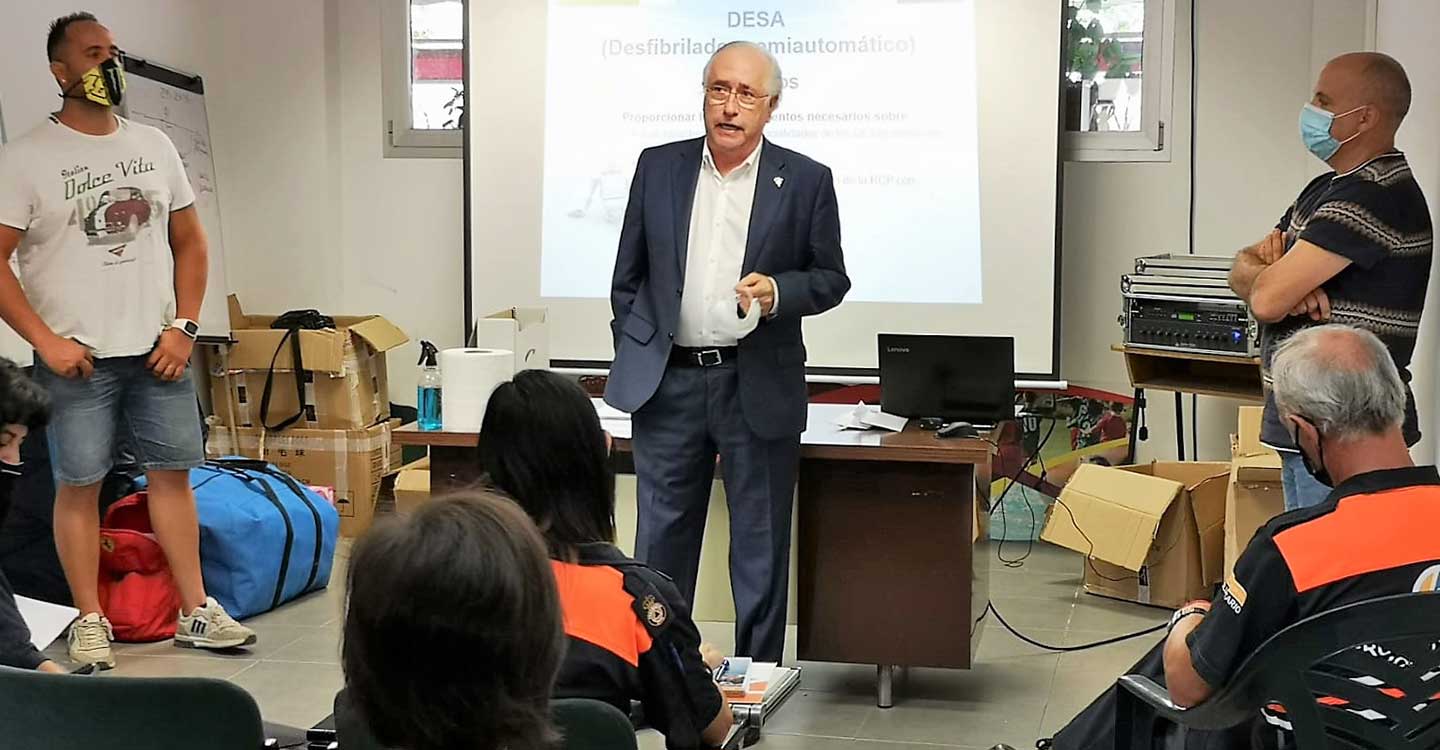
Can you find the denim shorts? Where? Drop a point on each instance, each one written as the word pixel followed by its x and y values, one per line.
pixel 122 405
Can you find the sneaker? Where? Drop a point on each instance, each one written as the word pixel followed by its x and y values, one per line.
pixel 211 627
pixel 90 638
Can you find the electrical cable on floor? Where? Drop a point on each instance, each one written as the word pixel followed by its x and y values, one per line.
pixel 1000 504
pixel 990 609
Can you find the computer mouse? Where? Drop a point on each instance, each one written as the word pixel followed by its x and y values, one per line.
pixel 957 430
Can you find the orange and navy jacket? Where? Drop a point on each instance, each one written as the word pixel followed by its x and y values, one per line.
pixel 1374 536
pixel 631 638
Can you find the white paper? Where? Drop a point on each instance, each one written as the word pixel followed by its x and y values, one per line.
pixel 877 418
pixel 864 417
pixel 606 411
pixel 853 419
pixel 45 620
pixel 619 429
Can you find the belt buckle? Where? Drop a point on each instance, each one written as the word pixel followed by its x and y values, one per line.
pixel 708 357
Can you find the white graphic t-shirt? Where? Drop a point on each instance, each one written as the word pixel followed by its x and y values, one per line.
pixel 95 260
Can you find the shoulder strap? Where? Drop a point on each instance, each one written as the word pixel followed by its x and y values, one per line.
pixel 293 336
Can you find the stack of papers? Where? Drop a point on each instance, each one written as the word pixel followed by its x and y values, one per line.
pixel 612 420
pixel 865 417
pixel 746 682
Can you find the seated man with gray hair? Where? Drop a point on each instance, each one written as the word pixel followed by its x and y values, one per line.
pixel 1340 395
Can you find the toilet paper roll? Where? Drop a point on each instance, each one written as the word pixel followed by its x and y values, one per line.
pixel 467 378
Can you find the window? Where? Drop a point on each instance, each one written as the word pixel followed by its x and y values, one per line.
pixel 424 86
pixel 1118 57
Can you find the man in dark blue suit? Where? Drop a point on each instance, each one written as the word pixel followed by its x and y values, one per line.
pixel 728 241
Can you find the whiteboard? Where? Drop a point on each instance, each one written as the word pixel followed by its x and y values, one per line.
pixel 174 102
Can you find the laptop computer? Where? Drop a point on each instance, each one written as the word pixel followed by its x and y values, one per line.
pixel 955 378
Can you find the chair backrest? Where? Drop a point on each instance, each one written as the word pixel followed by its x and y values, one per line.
pixel 1365 675
pixel 583 724
pixel 586 724
pixel 125 713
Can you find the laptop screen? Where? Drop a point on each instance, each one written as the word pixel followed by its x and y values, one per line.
pixel 970 378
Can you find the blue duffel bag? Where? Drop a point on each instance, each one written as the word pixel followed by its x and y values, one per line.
pixel 264 537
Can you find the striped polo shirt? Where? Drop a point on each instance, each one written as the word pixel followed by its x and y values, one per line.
pixel 1376 217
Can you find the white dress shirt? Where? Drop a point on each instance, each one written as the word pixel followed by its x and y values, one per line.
pixel 719 228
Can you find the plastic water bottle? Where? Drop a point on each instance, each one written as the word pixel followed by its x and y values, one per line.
pixel 427 400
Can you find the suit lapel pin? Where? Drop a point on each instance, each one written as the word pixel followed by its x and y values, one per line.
pixel 779 181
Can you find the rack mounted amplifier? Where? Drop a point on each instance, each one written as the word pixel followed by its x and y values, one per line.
pixel 1184 303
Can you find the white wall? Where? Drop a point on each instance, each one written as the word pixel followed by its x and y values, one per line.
pixel 1405 29
pixel 314 215
pixel 174 32
pixel 1250 165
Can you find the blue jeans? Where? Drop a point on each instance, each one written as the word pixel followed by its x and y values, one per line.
pixel 122 403
pixel 1302 489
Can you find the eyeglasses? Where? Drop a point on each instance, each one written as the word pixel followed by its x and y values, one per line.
pixel 717 93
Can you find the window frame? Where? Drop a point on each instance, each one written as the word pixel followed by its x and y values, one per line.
pixel 1152 143
pixel 401 140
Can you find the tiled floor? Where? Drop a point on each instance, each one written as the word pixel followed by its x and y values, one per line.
pixel 1015 693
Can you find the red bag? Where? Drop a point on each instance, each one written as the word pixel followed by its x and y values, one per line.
pixel 137 592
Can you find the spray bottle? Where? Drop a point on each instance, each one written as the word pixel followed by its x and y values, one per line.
pixel 428 390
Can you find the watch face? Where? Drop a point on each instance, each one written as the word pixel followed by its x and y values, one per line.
pixel 191 327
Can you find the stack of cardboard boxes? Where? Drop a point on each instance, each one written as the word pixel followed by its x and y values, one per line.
pixel 343 437
pixel 1255 494
pixel 1165 533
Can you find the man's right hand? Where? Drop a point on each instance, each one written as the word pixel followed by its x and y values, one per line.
pixel 1316 305
pixel 1272 248
pixel 712 656
pixel 68 358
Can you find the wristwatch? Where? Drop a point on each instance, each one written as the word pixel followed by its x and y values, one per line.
pixel 188 327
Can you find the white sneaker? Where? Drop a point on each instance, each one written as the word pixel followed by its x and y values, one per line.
pixel 90 638
pixel 211 627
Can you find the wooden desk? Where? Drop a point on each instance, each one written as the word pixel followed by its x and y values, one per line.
pixel 888 570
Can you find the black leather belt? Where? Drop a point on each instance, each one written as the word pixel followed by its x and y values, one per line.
pixel 713 356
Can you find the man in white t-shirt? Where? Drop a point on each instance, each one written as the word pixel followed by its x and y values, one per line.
pixel 113 262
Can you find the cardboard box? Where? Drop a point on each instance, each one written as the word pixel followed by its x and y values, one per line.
pixel 345 377
pixel 1152 534
pixel 352 461
pixel 522 330
pixel 412 486
pixel 1255 494
pixel 1246 440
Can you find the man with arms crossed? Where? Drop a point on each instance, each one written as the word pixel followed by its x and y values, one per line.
pixel 1354 248
pixel 114 262
pixel 727 242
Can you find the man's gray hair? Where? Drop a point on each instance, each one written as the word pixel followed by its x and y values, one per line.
pixel 774 82
pixel 1341 379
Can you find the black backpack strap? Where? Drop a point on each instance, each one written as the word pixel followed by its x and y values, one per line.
pixel 293 336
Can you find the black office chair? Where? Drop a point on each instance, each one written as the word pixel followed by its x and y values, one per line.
pixel 592 725
pixel 583 724
pixel 125 713
pixel 1390 706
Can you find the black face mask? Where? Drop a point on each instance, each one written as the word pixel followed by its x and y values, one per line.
pixel 103 84
pixel 9 474
pixel 1315 466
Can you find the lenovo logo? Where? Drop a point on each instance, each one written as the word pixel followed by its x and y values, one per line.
pixel 897 349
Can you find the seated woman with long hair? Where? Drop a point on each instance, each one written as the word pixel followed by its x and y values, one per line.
pixel 465 577
pixel 630 633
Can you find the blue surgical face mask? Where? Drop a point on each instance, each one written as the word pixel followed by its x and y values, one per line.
pixel 1315 131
